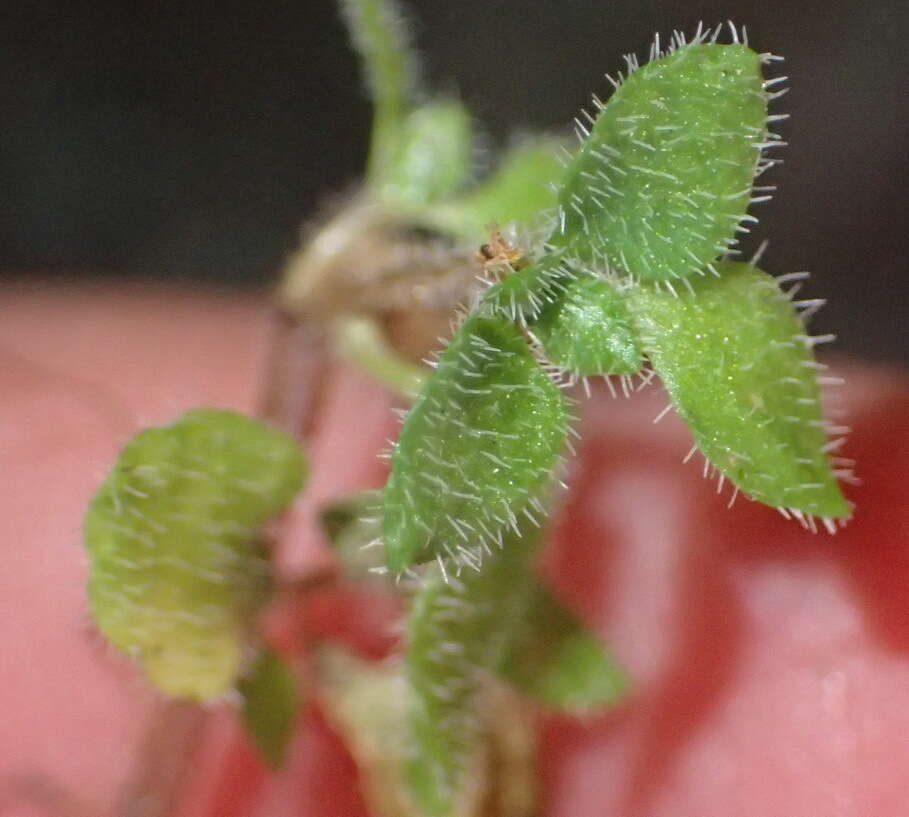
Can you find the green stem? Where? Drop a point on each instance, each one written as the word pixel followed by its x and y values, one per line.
pixel 379 33
pixel 360 341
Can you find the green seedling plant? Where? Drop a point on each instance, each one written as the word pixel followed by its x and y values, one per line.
pixel 616 259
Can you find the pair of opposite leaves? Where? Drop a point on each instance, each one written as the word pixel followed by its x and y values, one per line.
pixel 656 191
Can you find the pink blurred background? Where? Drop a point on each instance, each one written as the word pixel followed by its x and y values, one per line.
pixel 770 665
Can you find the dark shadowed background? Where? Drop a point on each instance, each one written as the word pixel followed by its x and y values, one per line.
pixel 190 140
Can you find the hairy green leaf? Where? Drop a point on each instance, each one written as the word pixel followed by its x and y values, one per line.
pixel 665 175
pixel 482 438
pixel 177 565
pixel 588 330
pixel 270 705
pixel 738 366
pixel 522 295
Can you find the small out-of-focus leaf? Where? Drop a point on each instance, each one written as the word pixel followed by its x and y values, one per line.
pixel 368 703
pixel 495 620
pixel 555 659
pixel 481 440
pixel 735 360
pixel 352 520
pixel 433 157
pixel 665 176
pixel 173 535
pixel 519 190
pixel 270 705
pixel 588 330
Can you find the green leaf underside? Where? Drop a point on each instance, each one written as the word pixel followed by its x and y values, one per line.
pixel 499 619
pixel 270 704
pixel 173 534
pixel 665 176
pixel 433 157
pixel 588 330
pixel 482 438
pixel 520 188
pixel 734 358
